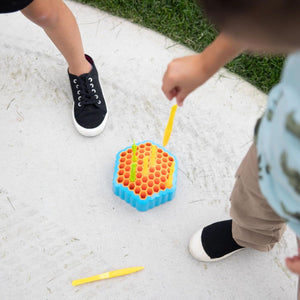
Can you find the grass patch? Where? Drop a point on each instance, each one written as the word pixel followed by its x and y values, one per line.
pixel 184 22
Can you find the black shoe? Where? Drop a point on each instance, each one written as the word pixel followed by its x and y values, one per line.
pixel 214 242
pixel 89 108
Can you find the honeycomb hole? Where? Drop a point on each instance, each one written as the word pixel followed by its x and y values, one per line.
pixel 151 176
pixel 143 195
pixel 156 181
pixel 127 175
pixel 131 185
pixel 158 161
pixel 157 174
pixel 144 179
pixel 122 159
pixel 164 166
pixel 162 186
pixel 137 190
pixel 120 179
pixel 123 154
pixel 138 182
pixel 126 182
pixel 144 186
pixel 149 192
pixel 163 172
pixel 150 183
pixel 127 169
pixel 151 169
pixel 121 172
pixel 122 166
pixel 171 158
pixel 139 168
pixel 139 175
pixel 163 179
pixel 156 189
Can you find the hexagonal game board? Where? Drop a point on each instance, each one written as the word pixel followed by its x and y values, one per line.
pixel 145 175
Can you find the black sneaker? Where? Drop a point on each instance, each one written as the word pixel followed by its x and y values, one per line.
pixel 214 242
pixel 89 108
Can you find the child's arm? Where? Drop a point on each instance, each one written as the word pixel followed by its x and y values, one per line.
pixel 185 74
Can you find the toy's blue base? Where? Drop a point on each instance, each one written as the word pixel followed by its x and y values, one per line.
pixel 151 201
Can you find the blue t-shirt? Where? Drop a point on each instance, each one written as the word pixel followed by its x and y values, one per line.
pixel 278 145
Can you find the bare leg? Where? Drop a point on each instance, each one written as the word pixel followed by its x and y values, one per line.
pixel 60 25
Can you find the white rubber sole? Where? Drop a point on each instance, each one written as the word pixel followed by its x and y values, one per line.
pixel 90 132
pixel 197 251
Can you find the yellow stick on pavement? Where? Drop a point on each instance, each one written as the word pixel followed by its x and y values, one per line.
pixel 107 275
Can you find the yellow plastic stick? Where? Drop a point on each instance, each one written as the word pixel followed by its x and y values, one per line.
pixel 170 178
pixel 107 275
pixel 145 166
pixel 153 155
pixel 169 127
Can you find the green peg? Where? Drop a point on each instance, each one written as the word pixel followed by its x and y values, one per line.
pixel 133 172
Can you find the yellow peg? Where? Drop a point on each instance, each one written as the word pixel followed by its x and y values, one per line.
pixel 170 178
pixel 153 155
pixel 145 166
pixel 169 127
pixel 107 275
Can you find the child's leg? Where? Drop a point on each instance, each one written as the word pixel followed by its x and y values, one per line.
pixel 89 107
pixel 254 224
pixel 60 25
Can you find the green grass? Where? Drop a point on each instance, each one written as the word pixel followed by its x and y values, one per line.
pixel 183 22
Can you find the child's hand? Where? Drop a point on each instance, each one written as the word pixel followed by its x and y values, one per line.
pixel 293 263
pixel 184 75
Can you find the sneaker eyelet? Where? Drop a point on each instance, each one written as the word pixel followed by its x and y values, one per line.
pixel 75 80
pixel 97 97
pixel 77 86
pixel 90 79
pixel 99 102
pixel 79 104
pixel 91 85
pixel 94 91
pixel 79 98
pixel 78 92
